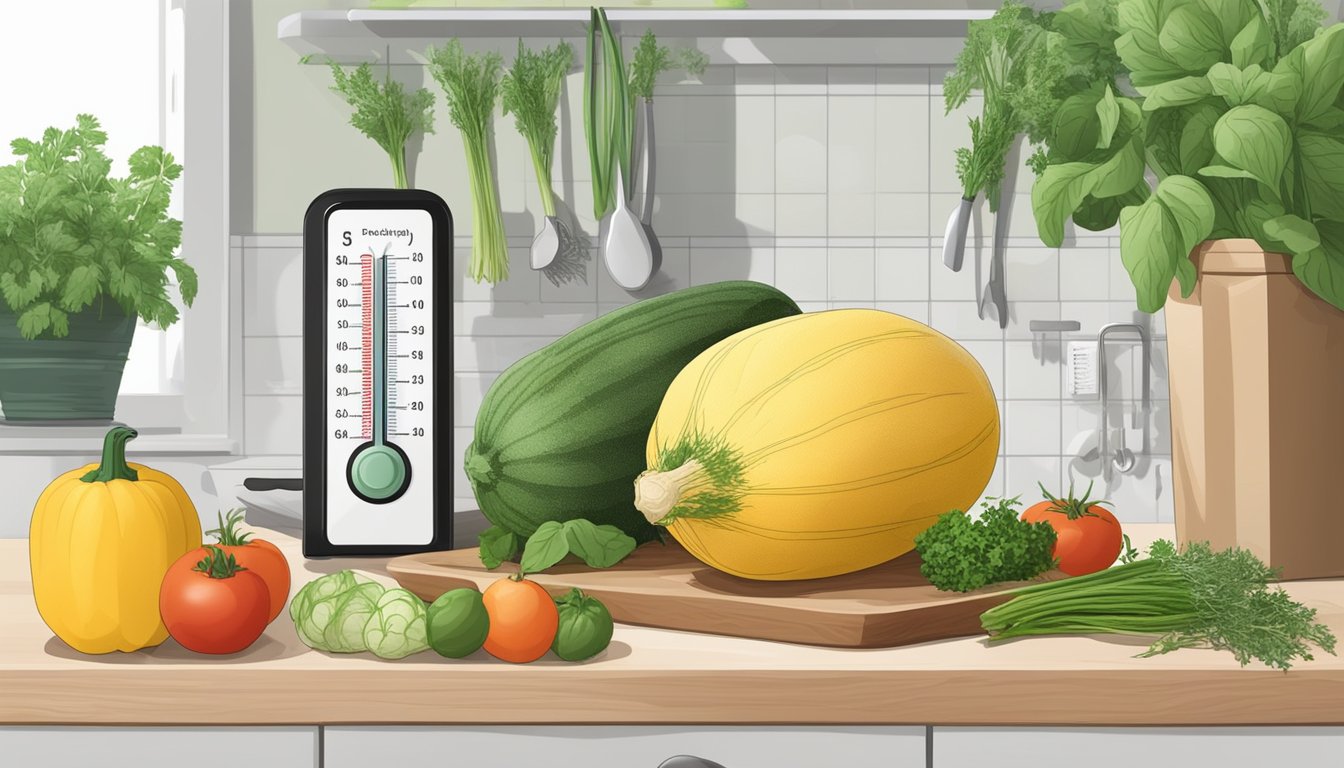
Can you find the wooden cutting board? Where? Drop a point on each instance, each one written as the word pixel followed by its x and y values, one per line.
pixel 664 586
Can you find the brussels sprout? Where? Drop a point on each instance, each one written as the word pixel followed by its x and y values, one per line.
pixel 585 627
pixel 397 627
pixel 325 610
pixel 458 623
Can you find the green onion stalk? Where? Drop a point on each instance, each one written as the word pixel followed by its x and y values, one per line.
pixel 471 85
pixel 1192 598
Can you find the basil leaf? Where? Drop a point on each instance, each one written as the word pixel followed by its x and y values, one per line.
pixel 600 546
pixel 497 546
pixel 544 548
pixel 1322 269
pixel 1196 143
pixel 1176 93
pixel 1296 233
pixel 1108 113
pixel 1256 140
pixel 1323 172
pixel 1157 235
pixel 1192 37
pixel 1253 44
pixel 1318 65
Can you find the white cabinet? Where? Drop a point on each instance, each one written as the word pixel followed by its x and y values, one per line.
pixel 626 746
pixel 1226 747
pixel 158 747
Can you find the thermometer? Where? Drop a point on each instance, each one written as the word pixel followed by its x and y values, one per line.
pixel 374 420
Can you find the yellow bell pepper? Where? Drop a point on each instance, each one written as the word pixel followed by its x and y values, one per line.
pixel 101 540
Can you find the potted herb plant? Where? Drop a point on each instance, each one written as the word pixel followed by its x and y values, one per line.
pixel 1218 147
pixel 82 256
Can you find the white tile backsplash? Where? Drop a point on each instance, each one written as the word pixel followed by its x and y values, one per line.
pixel 850 276
pixel 802 273
pixel 832 183
pixel 800 144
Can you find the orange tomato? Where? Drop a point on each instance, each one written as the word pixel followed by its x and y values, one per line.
pixel 523 620
pixel 256 555
pixel 1087 536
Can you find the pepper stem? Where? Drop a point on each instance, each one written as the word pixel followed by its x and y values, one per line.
pixel 656 493
pixel 113 465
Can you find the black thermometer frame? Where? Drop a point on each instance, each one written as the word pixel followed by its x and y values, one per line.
pixel 316 542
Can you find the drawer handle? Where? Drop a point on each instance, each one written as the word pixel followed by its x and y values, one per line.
pixel 688 761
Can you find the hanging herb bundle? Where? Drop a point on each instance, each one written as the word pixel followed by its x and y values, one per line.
pixel 471 85
pixel 385 112
pixel 531 93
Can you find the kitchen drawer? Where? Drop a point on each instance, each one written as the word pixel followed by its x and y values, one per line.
pixel 1229 747
pixel 81 747
pixel 626 746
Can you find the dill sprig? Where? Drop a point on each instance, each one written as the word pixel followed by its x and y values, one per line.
pixel 531 93
pixel 713 491
pixel 385 112
pixel 1189 598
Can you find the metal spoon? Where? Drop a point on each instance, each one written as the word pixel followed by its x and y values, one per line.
pixel 625 247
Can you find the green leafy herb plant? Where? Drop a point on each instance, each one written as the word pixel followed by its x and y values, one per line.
pixel 1236 108
pixel 73 237
pixel 385 112
pixel 600 546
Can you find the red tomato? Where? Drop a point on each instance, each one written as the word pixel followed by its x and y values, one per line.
pixel 256 555
pixel 1088 537
pixel 211 606
pixel 523 620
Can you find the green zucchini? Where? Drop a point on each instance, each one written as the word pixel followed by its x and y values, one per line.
pixel 561 434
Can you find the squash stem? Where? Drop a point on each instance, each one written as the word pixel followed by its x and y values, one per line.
pixel 656 493
pixel 113 465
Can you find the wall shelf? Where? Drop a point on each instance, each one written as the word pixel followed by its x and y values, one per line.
pixel 355 35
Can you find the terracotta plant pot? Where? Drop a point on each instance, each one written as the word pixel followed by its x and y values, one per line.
pixel 1257 411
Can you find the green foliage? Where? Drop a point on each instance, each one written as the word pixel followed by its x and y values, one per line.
pixel 651 60
pixel 72 236
pixel 471 86
pixel 600 546
pixel 960 554
pixel 531 92
pixel 607 111
pixel 1238 111
pixel 1188 598
pixel 385 112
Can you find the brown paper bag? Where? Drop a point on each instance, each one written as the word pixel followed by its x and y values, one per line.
pixel 1256 364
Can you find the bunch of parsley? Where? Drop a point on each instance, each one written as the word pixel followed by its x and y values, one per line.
pixel 960 554
pixel 74 237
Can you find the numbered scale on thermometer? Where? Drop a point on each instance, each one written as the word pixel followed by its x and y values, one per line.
pixel 384 369
pixel 380 409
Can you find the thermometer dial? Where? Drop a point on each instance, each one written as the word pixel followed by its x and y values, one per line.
pixel 373 415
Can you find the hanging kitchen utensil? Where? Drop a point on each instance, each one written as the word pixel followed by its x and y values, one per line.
pixel 646 164
pixel 625 245
pixel 546 245
pixel 375 412
pixel 954 238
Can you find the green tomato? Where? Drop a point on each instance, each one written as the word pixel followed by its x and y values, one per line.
pixel 458 623
pixel 585 627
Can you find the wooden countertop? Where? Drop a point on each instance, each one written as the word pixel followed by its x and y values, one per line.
pixel 656 676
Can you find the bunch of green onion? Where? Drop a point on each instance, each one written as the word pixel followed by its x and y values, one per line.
pixel 1190 598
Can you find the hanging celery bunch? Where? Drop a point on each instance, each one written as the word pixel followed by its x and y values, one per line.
pixel 385 112
pixel 471 85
